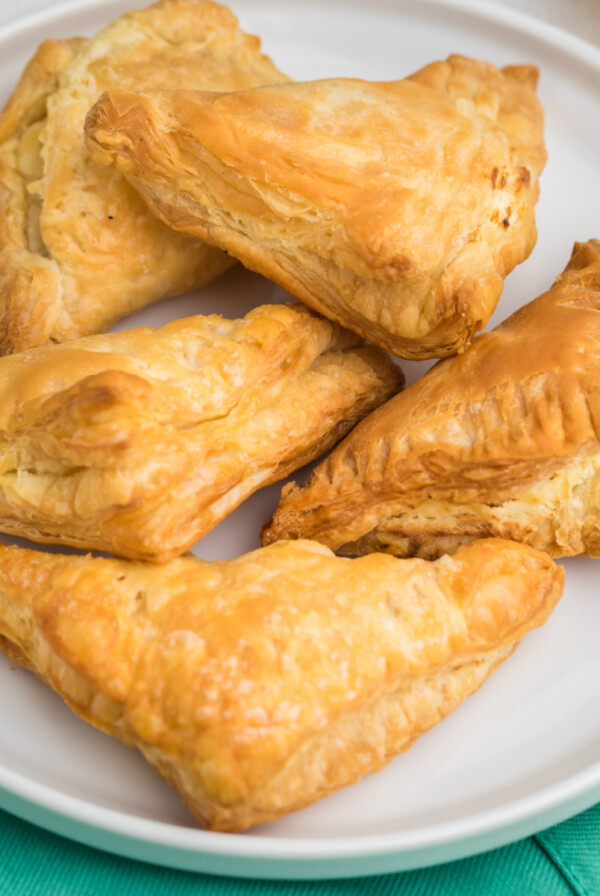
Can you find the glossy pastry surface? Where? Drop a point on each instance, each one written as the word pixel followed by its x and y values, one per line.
pixel 502 440
pixel 394 208
pixel 259 685
pixel 140 442
pixel 78 247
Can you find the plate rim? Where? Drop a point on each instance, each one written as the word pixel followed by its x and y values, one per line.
pixel 194 849
pixel 294 858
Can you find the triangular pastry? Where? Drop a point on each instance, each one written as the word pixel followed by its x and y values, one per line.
pixel 394 208
pixel 140 442
pixel 256 686
pixel 502 440
pixel 78 247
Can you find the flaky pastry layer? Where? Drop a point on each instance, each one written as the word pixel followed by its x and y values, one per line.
pixel 140 442
pixel 78 247
pixel 258 685
pixel 503 440
pixel 395 208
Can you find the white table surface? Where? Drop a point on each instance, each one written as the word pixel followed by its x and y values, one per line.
pixel 582 17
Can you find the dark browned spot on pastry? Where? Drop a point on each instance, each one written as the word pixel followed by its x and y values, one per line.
pixel 495 173
pixel 506 222
pixel 523 178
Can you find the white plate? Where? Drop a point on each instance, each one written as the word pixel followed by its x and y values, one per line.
pixel 522 753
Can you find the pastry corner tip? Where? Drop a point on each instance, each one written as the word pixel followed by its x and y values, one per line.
pixel 526 75
pixel 112 123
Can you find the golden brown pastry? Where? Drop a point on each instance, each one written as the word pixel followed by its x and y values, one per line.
pixel 78 247
pixel 502 440
pixel 395 208
pixel 140 442
pixel 256 686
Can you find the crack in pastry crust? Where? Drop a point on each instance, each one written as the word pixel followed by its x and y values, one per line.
pixel 258 685
pixel 503 440
pixel 140 442
pixel 395 208
pixel 78 247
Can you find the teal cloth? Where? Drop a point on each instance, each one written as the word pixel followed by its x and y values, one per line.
pixel 562 860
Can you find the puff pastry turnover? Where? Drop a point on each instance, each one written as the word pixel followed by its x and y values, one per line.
pixel 394 208
pixel 258 685
pixel 502 440
pixel 78 247
pixel 140 442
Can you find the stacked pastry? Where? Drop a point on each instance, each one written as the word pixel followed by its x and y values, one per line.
pixel 141 163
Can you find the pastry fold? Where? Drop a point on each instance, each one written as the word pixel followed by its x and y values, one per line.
pixel 140 442
pixel 396 209
pixel 78 247
pixel 259 685
pixel 503 440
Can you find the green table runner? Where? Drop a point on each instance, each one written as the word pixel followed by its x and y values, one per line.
pixel 562 860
